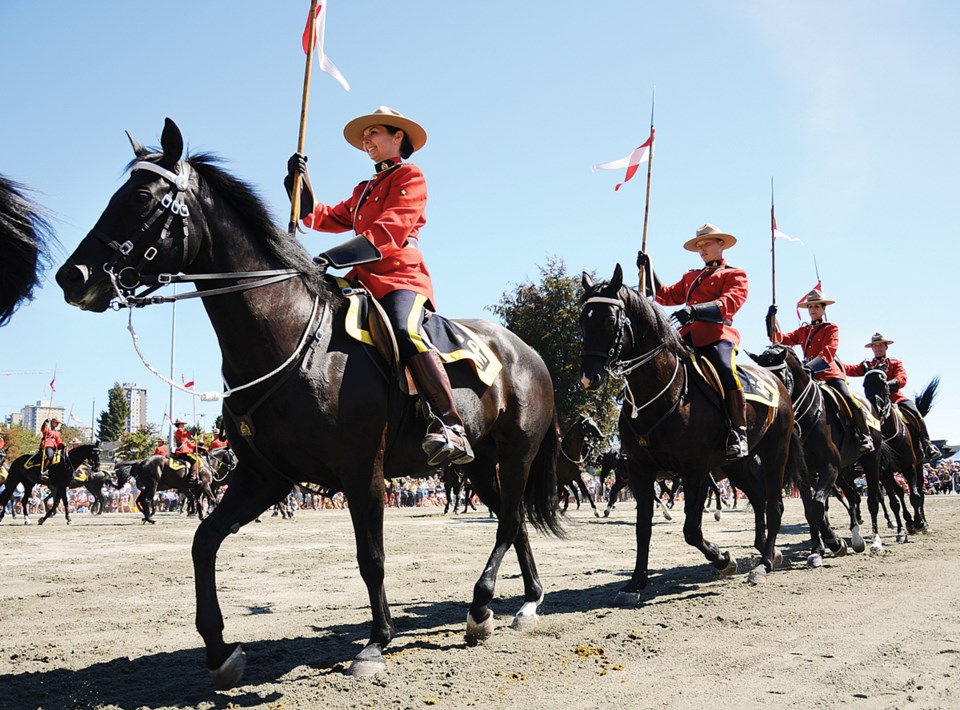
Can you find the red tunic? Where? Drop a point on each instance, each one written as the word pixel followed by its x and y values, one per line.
pixel 821 339
pixel 51 438
pixel 391 212
pixel 727 285
pixel 893 368
pixel 217 444
pixel 184 444
pixel 162 450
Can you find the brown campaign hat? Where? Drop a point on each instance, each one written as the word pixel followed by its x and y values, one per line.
pixel 384 116
pixel 877 338
pixel 710 231
pixel 815 296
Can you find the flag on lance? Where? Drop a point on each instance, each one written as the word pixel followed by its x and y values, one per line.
pixel 186 384
pixel 632 162
pixel 52 385
pixel 318 27
pixel 777 234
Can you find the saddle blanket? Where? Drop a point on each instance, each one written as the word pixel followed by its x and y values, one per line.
pixel 36 460
pixel 828 391
pixel 758 385
pixel 453 340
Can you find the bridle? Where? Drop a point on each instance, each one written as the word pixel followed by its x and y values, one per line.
pixel 587 446
pixel 616 367
pixel 884 405
pixel 810 399
pixel 131 255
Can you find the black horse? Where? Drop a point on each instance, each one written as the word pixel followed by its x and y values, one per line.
pixel 25 240
pixel 280 324
pixel 615 463
pixel 455 483
pixel 162 473
pixel 670 425
pixel 904 441
pixel 25 469
pixel 575 449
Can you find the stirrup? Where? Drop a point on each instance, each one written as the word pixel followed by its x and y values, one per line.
pixel 931 450
pixel 441 448
pixel 866 444
pixel 737 447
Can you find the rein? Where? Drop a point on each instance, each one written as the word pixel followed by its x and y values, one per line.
pixel 125 292
pixel 815 403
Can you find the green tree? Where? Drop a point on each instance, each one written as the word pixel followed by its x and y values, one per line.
pixel 113 421
pixel 546 316
pixel 138 444
pixel 20 441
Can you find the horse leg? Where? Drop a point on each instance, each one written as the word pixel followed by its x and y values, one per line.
pixel 815 558
pixel 695 494
pixel 586 494
pixel 526 618
pixel 886 514
pixel 66 507
pixel 642 483
pixel 244 500
pixel 52 509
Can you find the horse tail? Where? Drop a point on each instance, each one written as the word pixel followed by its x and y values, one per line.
pixel 540 496
pixel 925 398
pixel 796 470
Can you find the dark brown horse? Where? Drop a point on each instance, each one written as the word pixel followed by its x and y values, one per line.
pixel 26 470
pixel 162 473
pixel 670 425
pixel 296 376
pixel 25 240
pixel 576 447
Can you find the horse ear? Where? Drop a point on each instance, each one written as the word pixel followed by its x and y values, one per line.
pixel 586 281
pixel 617 281
pixel 171 140
pixel 138 150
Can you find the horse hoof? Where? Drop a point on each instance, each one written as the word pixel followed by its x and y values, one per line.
pixel 731 566
pixel 368 663
pixel 926 530
pixel 777 558
pixel 815 560
pixel 230 673
pixel 901 537
pixel 667 515
pixel 524 622
pixel 627 599
pixel 856 539
pixel 596 513
pixel 606 513
pixel 41 521
pixel 891 526
pixel 841 551
pixel 26 521
pixel 877 546
pixel 478 631
pixel 69 522
pixel 758 575
pixel 716 516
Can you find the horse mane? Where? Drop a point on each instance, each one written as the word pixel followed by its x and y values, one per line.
pixel 925 399
pixel 665 331
pixel 25 239
pixel 247 203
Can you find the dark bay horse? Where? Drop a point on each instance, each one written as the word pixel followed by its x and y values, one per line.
pixel 615 463
pixel 904 441
pixel 25 469
pixel 576 445
pixel 25 240
pixel 157 473
pixel 670 425
pixel 297 376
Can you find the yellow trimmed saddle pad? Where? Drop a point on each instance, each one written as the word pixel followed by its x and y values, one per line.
pixel 453 340
pixel 828 391
pixel 758 385
pixel 36 460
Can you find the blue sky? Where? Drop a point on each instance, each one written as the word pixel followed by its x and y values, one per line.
pixel 851 106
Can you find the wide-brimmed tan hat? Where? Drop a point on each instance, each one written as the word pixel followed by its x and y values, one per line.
pixel 877 338
pixel 710 231
pixel 178 420
pixel 74 441
pixel 384 116
pixel 815 296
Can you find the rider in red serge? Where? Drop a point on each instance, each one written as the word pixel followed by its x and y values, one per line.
pixel 186 448
pixel 820 340
pixel 218 442
pixel 50 443
pixel 162 448
pixel 896 381
pixel 710 297
pixel 388 211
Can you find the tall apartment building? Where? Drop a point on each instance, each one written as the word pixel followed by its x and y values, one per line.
pixel 32 415
pixel 137 399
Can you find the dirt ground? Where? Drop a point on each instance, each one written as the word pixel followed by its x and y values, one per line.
pixel 101 615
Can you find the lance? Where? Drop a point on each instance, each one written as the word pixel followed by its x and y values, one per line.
pixel 301 140
pixel 646 206
pixel 773 246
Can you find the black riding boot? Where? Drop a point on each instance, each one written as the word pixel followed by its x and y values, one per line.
pixel 863 432
pixel 445 441
pixel 930 450
pixel 737 444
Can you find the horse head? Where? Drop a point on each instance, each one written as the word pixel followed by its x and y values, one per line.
pixel 159 224
pixel 784 363
pixel 615 324
pixel 877 393
pixel 85 453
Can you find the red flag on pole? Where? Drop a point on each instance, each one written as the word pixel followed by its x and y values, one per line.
pixel 318 30
pixel 52 388
pixel 186 384
pixel 777 234
pixel 632 162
